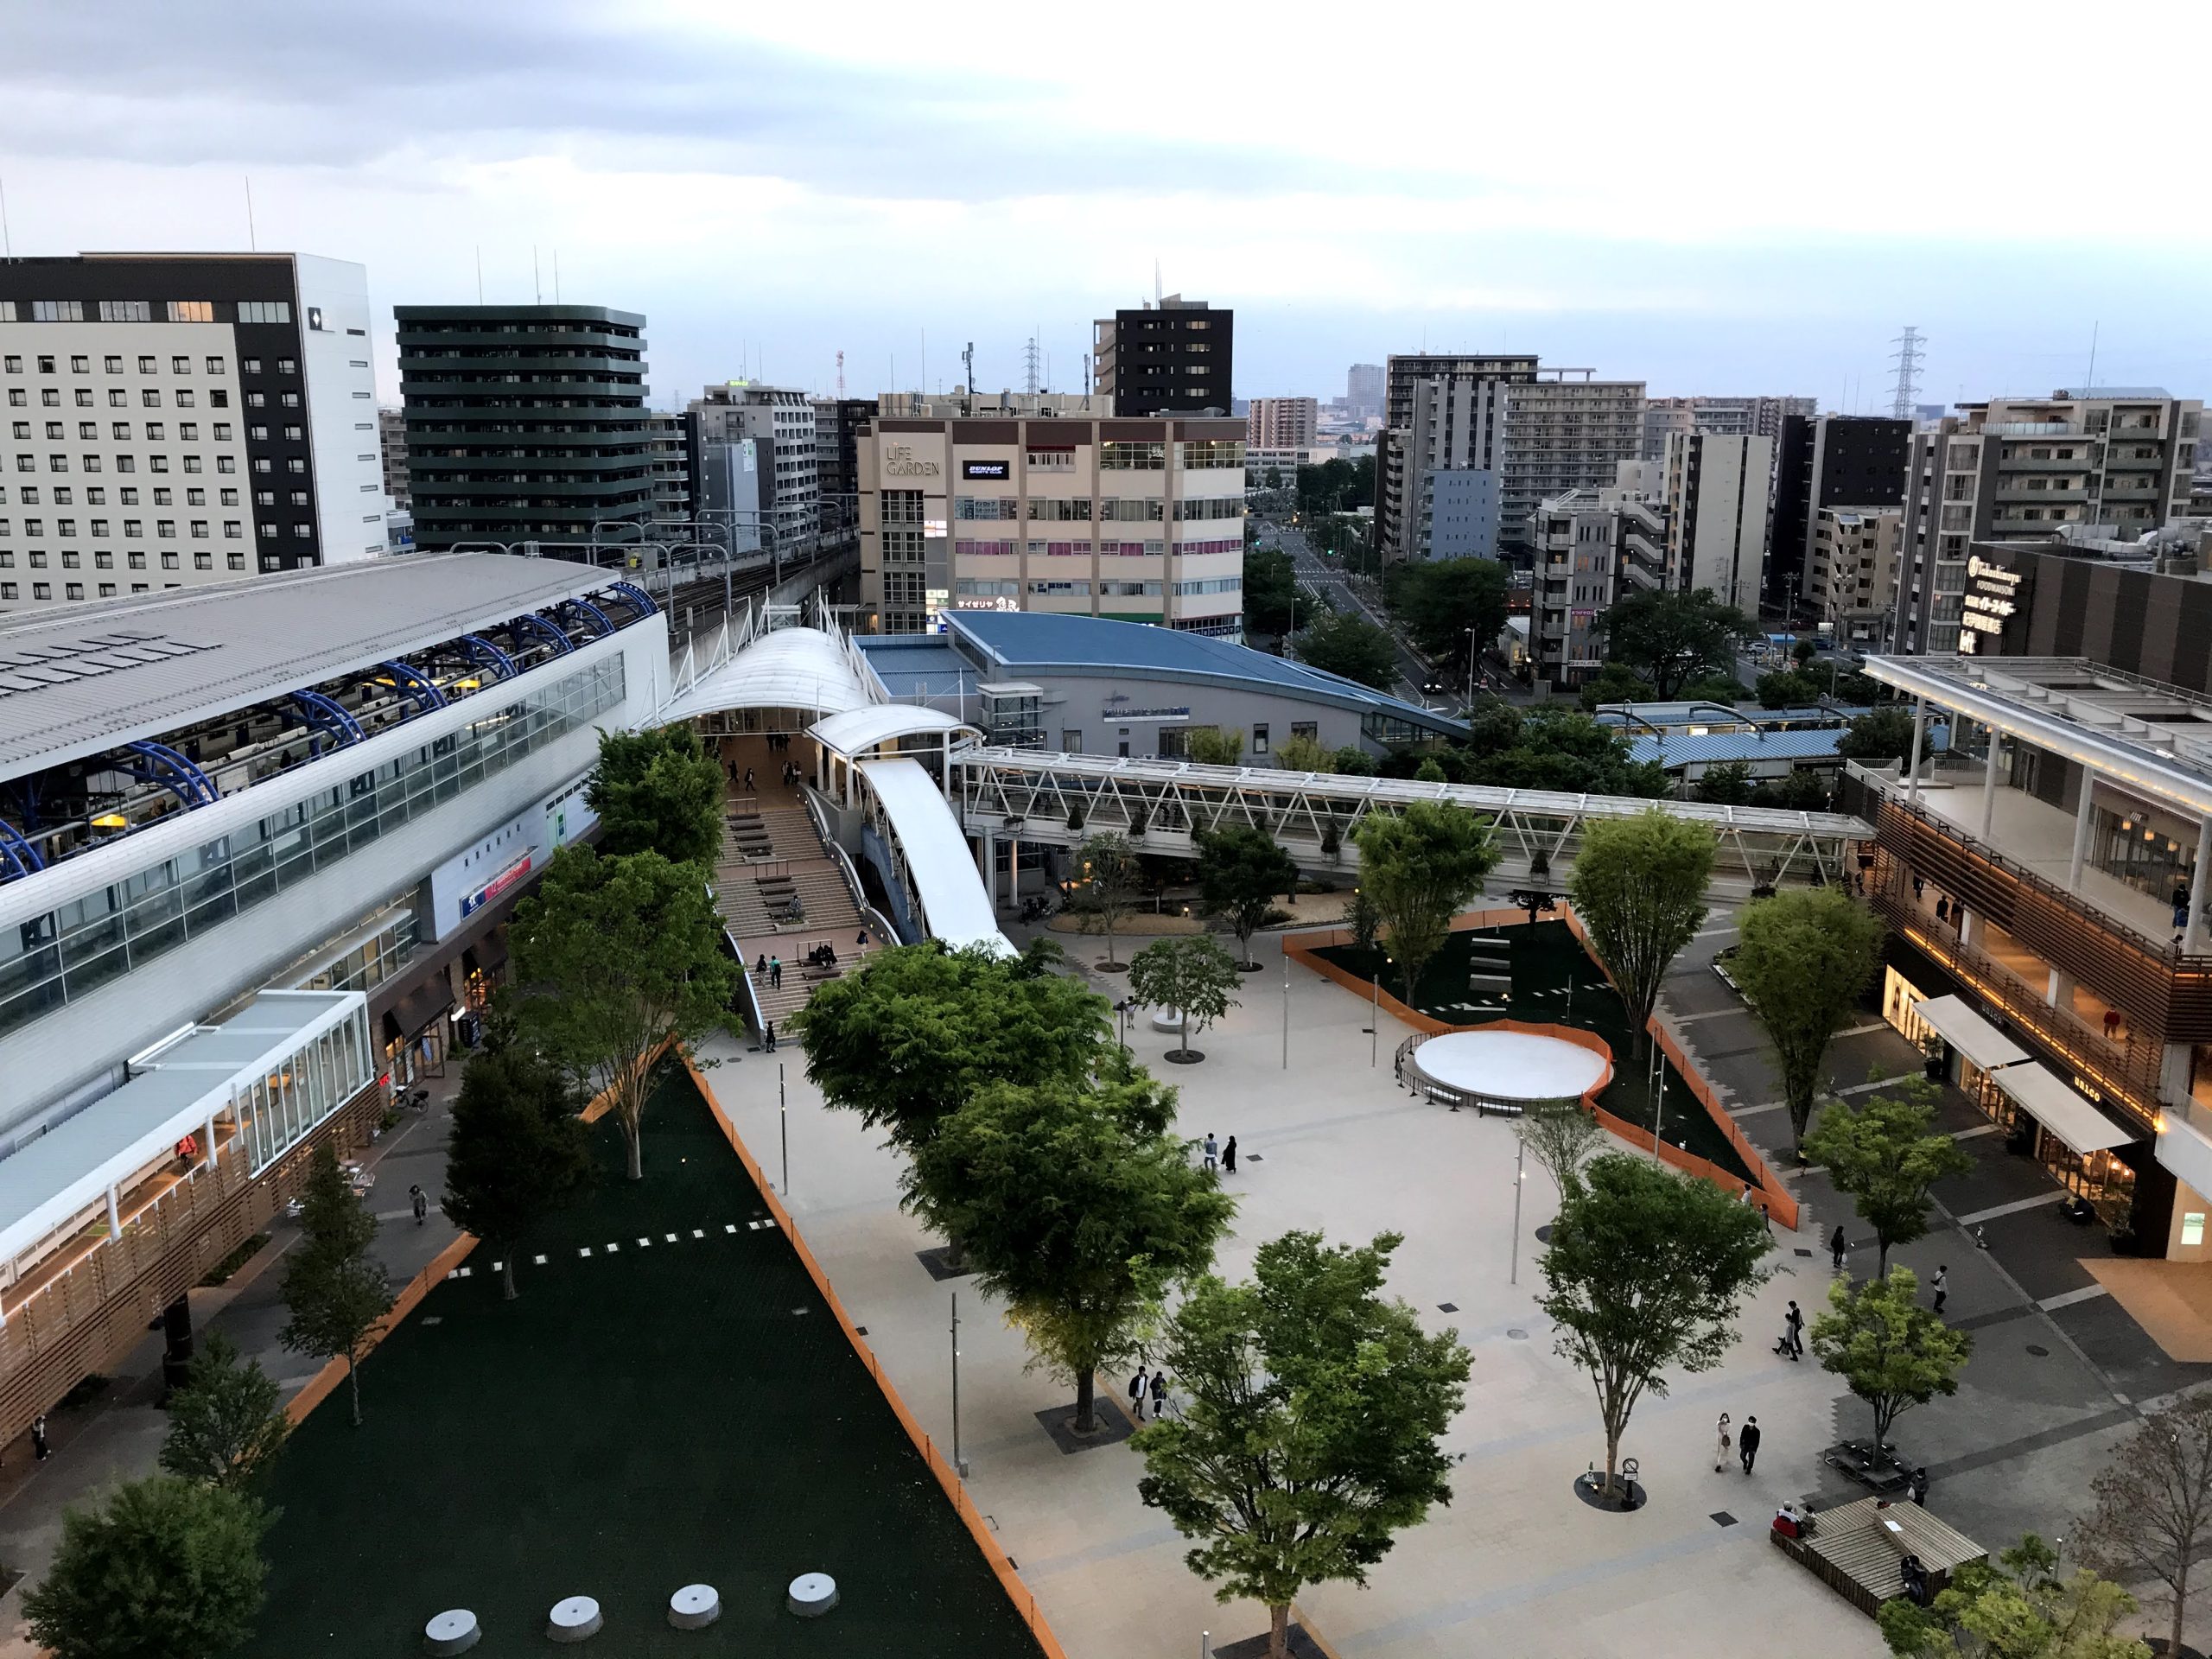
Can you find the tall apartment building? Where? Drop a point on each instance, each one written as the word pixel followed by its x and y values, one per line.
pixel 837 425
pixel 1282 423
pixel 525 424
pixel 1729 417
pixel 391 445
pixel 669 449
pixel 1364 390
pixel 1835 461
pixel 1717 498
pixel 2010 468
pixel 1174 358
pixel 1037 507
pixel 1852 590
pixel 1442 413
pixel 1562 434
pixel 779 420
pixel 1592 546
pixel 179 419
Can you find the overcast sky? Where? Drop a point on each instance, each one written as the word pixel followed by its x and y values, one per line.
pixel 1714 198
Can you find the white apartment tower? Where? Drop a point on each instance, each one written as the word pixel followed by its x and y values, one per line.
pixel 1717 491
pixel 780 422
pixel 1282 423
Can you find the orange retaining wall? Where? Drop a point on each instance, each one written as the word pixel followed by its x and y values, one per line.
pixel 1780 1204
pixel 1024 1600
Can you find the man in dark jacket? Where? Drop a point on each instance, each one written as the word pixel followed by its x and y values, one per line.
pixel 1747 1442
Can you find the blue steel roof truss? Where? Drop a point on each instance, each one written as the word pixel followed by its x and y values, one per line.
pixel 326 717
pixel 416 685
pixel 158 763
pixel 636 595
pixel 529 622
pixel 17 856
pixel 488 657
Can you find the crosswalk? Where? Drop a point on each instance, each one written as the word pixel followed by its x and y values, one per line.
pixel 644 1242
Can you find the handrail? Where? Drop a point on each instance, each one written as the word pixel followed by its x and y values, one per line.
pixel 844 860
pixel 745 978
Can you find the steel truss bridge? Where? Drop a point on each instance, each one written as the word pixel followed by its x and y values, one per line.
pixel 1062 800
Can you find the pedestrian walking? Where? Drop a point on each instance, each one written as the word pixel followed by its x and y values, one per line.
pixel 770 1045
pixel 1159 1394
pixel 749 780
pixel 761 966
pixel 39 1446
pixel 1744 1197
pixel 1721 1443
pixel 1229 1156
pixel 1212 1150
pixel 1837 1246
pixel 860 943
pixel 1747 1443
pixel 775 972
pixel 1137 1387
pixel 1916 1488
pixel 1766 1216
pixel 1940 1285
pixel 1795 1322
pixel 421 1201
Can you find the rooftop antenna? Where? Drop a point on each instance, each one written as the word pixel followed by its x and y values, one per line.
pixel 480 273
pixel 1158 292
pixel 557 276
pixel 1029 367
pixel 1909 353
pixel 253 242
pixel 7 240
pixel 2091 384
pixel 968 364
pixel 841 372
pixel 536 287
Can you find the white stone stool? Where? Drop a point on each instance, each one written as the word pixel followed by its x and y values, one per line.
pixel 693 1607
pixel 452 1631
pixel 811 1595
pixel 575 1619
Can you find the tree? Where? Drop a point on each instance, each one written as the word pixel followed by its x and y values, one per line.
pixel 2017 1608
pixel 1240 871
pixel 519 1151
pixel 1349 645
pixel 657 791
pixel 168 1569
pixel 1421 867
pixel 1311 1435
pixel 1639 887
pixel 1190 974
pixel 1615 682
pixel 1352 761
pixel 1364 919
pixel 1109 888
pixel 1643 1273
pixel 1211 746
pixel 1803 960
pixel 336 1291
pixel 1270 590
pixel 1552 747
pixel 2154 1504
pixel 1670 637
pixel 908 1038
pixel 1800 789
pixel 1296 753
pixel 1803 652
pixel 1725 783
pixel 228 1419
pixel 614 956
pixel 1043 954
pixel 1887 1348
pixel 1561 1135
pixel 1882 738
pixel 1787 689
pixel 1076 1208
pixel 1451 608
pixel 1882 1157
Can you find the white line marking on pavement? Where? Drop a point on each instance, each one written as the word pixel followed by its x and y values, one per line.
pixel 645 1243
pixel 1710 1014
pixel 1861 1031
pixel 539 1260
pixel 729 1227
pixel 1853 1088
pixel 1979 1128
pixel 1753 1111
pixel 1717 933
pixel 394 1215
pixel 698 1232
pixel 2013 1208
pixel 612 1248
pixel 2067 1299
pixel 671 1238
pixel 583 1249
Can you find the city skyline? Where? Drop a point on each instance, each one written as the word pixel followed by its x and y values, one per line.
pixel 727 178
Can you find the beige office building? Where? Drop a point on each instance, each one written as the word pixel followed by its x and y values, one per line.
pixel 1282 423
pixel 1031 506
pixel 1854 585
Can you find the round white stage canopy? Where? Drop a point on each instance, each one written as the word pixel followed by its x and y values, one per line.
pixel 1508 1069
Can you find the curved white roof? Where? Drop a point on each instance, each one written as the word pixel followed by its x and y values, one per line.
pixel 792 668
pixel 954 905
pixel 858 730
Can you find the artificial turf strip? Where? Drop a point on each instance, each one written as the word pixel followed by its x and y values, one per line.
pixel 1544 957
pixel 633 1423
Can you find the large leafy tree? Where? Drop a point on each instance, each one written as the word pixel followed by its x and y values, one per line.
pixel 336 1289
pixel 1240 871
pixel 657 791
pixel 1887 1348
pixel 1615 682
pixel 1421 867
pixel 519 1151
pixel 1882 738
pixel 1108 889
pixel 1270 589
pixel 1316 1405
pixel 1451 608
pixel 1561 1135
pixel 1296 753
pixel 1804 958
pixel 613 955
pixel 1639 887
pixel 1644 1273
pixel 1725 783
pixel 1076 1208
pixel 2017 1608
pixel 1343 642
pixel 1787 687
pixel 228 1419
pixel 1210 746
pixel 1551 747
pixel 167 1568
pixel 1670 639
pixel 2154 1504
pixel 1883 1157
pixel 1190 974
pixel 918 1029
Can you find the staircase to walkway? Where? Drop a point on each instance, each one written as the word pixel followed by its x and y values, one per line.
pixel 782 894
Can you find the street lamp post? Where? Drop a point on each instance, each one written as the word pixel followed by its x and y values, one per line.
pixel 1471 667
pixel 959 1463
pixel 1520 1151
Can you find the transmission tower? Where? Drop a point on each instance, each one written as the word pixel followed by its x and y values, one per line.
pixel 1029 366
pixel 840 375
pixel 1907 357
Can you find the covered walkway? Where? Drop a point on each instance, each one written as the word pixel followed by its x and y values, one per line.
pixel 928 848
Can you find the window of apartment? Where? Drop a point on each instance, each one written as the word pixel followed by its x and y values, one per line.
pixel 184 398
pixel 296 433
pixel 296 465
pixel 102 561
pixel 300 532
pixel 288 366
pixel 1310 730
pixel 248 365
pixel 169 560
pixel 151 398
pixel 49 398
pixel 55 311
pixel 192 311
pixel 162 498
pixel 1260 738
pixel 215 366
pixel 42 590
pixel 136 562
pixel 222 431
pixel 117 397
pixel 226 463
pixel 13 364
pixel 257 400
pixel 1127 457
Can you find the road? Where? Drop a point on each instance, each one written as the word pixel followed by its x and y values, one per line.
pixel 1340 592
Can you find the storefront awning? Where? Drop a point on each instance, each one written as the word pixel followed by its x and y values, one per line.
pixel 2036 1090
pixel 1968 1031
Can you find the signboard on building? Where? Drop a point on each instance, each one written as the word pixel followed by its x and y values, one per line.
pixel 1996 593
pixel 505 881
pixel 1129 716
pixel 1001 470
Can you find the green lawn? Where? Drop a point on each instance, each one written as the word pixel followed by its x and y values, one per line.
pixel 634 1422
pixel 1546 958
